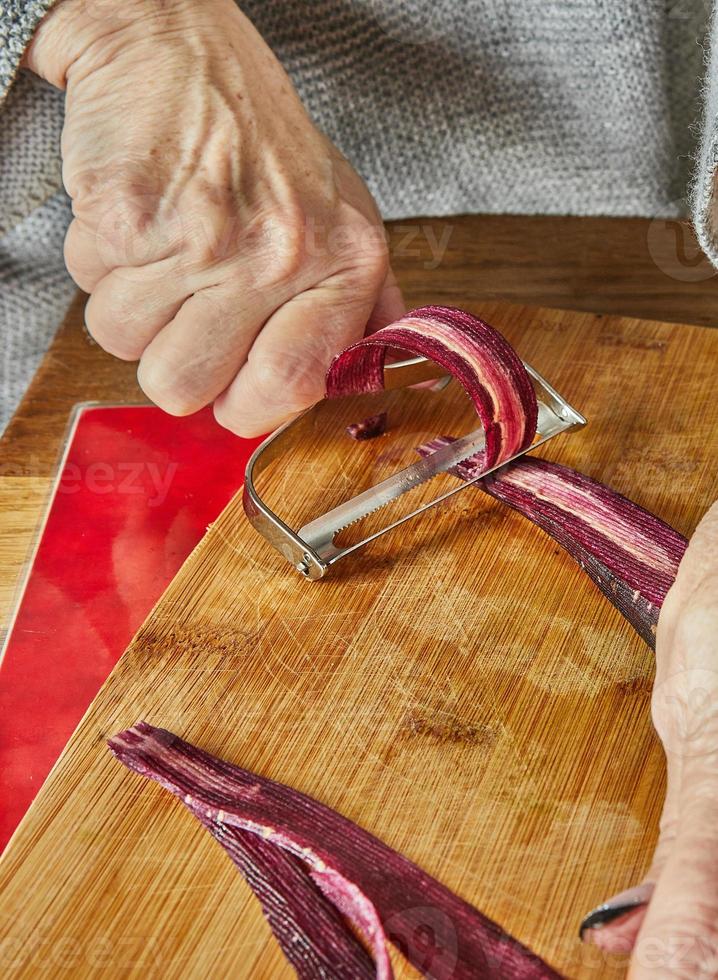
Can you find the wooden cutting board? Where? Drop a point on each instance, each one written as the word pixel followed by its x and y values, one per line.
pixel 458 688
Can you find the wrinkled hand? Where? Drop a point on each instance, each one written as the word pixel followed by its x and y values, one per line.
pixel 225 242
pixel 671 920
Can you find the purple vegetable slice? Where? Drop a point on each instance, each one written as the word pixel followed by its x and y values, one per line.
pixel 380 891
pixel 369 428
pixel 629 553
pixel 314 937
pixel 483 361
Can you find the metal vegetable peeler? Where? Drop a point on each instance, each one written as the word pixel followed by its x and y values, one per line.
pixel 312 547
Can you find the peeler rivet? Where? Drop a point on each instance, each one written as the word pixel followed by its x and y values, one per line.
pixel 303 566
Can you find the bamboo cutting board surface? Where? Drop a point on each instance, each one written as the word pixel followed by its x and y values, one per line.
pixel 457 688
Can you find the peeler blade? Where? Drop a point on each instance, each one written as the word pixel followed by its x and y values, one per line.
pixel 313 548
pixel 321 531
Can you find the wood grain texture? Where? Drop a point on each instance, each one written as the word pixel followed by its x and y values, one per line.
pixel 632 266
pixel 22 499
pixel 629 266
pixel 458 689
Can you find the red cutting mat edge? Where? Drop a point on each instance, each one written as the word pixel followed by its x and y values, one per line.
pixel 56 617
pixel 34 546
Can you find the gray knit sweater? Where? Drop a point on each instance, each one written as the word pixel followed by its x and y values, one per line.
pixel 444 106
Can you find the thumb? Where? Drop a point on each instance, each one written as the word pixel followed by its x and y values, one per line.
pixel 678 937
pixel 614 925
pixel 677 902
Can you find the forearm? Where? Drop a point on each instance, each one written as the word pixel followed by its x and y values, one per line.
pixel 77 35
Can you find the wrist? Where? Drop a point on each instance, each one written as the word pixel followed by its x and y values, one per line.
pixel 78 35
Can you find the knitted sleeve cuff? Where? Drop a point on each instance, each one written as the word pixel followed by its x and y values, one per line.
pixel 18 21
pixel 704 191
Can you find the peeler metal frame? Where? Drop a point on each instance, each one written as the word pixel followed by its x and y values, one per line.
pixel 311 548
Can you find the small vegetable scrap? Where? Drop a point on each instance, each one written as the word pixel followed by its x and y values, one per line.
pixel 369 428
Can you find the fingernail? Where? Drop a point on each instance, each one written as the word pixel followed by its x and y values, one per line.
pixel 616 907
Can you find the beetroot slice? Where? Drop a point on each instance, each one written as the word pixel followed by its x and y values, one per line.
pixel 473 352
pixel 382 892
pixel 369 428
pixel 629 553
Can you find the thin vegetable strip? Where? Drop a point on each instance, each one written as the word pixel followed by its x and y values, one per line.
pixel 477 355
pixel 312 934
pixel 630 554
pixel 381 891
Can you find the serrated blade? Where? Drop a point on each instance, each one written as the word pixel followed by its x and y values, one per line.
pixel 320 532
pixel 312 549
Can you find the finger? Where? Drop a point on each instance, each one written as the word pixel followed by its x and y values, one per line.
pixel 129 307
pixel 287 364
pixel 699 562
pixel 701 558
pixel 196 356
pixel 82 258
pixel 679 936
pixel 390 305
pixel 614 925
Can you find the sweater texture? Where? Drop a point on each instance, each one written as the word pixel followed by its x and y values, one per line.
pixel 584 107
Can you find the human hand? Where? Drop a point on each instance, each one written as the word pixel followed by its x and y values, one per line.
pixel 226 243
pixel 670 921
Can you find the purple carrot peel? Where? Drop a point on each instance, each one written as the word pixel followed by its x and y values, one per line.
pixel 629 553
pixel 382 893
pixel 483 362
pixel 308 927
pixel 369 428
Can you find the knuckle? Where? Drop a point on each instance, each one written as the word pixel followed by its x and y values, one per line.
pixel 273 242
pixel 361 243
pixel 86 188
pixel 131 224
pixel 110 324
pixel 290 383
pixel 209 230
pixel 106 332
pixel 166 387
pixel 373 261
pixel 77 259
pixel 278 241
pixel 126 232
